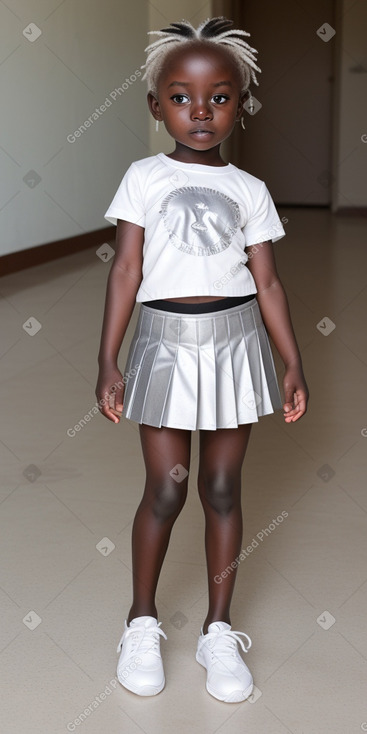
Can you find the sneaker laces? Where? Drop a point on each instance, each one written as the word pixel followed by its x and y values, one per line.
pixel 144 639
pixel 224 643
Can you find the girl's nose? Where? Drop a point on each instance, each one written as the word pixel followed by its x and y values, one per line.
pixel 201 112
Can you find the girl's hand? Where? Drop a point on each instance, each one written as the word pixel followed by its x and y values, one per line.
pixel 295 393
pixel 110 391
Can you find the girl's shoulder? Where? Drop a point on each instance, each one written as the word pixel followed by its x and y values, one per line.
pixel 144 170
pixel 247 177
pixel 151 161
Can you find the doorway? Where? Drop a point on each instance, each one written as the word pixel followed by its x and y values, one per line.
pixel 288 141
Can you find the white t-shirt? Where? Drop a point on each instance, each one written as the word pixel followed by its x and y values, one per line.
pixel 198 221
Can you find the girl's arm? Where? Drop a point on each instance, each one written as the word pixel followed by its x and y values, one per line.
pixel 123 283
pixel 274 309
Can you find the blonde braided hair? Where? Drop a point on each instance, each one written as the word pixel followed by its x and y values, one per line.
pixel 215 31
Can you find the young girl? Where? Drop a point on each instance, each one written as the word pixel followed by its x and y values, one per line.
pixel 194 247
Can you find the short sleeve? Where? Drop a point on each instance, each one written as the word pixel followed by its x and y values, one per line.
pixel 127 202
pixel 264 224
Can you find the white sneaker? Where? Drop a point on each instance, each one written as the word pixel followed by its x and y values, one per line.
pixel 140 667
pixel 228 678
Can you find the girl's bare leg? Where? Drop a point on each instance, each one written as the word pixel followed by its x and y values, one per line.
pixel 219 483
pixel 164 497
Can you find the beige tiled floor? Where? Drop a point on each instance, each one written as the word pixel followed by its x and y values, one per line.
pixel 61 495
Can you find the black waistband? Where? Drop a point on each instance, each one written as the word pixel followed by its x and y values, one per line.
pixel 203 307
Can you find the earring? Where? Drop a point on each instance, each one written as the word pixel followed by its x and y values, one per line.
pixel 156 125
pixel 251 106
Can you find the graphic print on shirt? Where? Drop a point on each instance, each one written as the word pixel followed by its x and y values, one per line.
pixel 199 220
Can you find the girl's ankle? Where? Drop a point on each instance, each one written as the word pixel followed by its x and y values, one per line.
pixel 133 613
pixel 209 621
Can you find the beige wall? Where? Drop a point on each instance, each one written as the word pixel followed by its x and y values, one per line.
pixel 49 87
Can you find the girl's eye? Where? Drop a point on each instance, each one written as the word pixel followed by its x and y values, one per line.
pixel 179 98
pixel 182 98
pixel 220 98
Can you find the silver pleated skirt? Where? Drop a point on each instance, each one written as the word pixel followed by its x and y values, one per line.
pixel 200 371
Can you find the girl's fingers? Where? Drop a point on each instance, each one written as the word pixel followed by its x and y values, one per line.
pixel 115 399
pixel 117 409
pixel 111 405
pixel 116 413
pixel 293 412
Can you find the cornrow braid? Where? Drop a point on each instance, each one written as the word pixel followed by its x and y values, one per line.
pixel 212 30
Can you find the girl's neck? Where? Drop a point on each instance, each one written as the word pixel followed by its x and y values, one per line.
pixel 210 157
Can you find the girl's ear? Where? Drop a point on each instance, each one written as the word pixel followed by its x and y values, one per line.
pixel 154 107
pixel 241 102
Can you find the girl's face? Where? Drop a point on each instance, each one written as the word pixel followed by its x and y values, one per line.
pixel 198 97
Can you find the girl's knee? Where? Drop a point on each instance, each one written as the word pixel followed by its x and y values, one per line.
pixel 221 492
pixel 168 499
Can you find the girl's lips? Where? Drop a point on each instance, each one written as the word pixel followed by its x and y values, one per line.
pixel 201 133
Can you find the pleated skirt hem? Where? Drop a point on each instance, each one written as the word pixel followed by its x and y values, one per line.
pixel 200 371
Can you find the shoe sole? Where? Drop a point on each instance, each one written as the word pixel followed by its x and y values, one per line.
pixel 234 697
